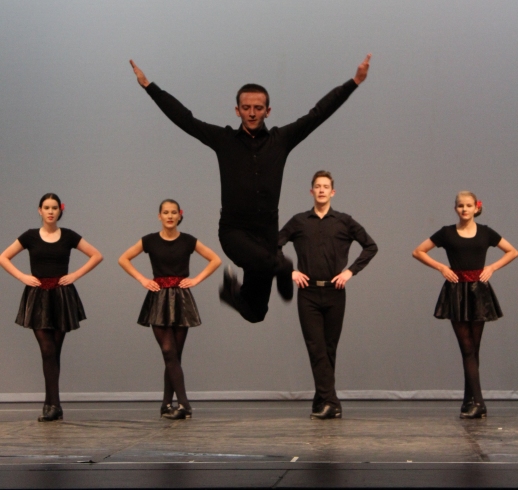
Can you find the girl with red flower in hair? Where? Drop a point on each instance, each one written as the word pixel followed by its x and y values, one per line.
pixel 467 299
pixel 50 305
pixel 169 307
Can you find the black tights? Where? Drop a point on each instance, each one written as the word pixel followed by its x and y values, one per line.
pixel 171 341
pixel 469 335
pixel 50 342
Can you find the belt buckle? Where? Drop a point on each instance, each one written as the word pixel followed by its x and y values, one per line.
pixel 321 284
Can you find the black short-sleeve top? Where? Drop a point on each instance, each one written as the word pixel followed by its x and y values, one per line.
pixel 169 257
pixel 49 259
pixel 466 253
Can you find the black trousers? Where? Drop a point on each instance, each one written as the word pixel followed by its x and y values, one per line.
pixel 321 315
pixel 253 248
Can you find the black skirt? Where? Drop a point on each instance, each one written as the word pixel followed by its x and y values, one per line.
pixel 169 307
pixel 468 302
pixel 55 309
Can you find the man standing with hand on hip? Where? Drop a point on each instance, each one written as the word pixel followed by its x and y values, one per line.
pixel 322 238
pixel 251 164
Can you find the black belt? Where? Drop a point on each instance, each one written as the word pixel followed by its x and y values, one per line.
pixel 321 284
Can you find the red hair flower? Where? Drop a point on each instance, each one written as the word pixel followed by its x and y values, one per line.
pixel 62 207
pixel 479 204
pixel 181 212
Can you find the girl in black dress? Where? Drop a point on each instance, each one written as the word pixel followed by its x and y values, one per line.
pixel 467 299
pixel 50 305
pixel 169 307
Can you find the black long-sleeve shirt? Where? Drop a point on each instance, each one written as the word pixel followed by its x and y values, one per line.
pixel 322 244
pixel 251 168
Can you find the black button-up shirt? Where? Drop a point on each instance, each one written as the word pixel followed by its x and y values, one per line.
pixel 322 244
pixel 251 168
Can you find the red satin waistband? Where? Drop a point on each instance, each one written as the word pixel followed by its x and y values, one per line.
pixel 49 282
pixel 468 276
pixel 169 281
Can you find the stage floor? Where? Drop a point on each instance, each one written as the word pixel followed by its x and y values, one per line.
pixel 259 445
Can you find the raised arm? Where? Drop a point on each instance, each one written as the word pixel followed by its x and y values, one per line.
pixel 208 134
pixel 214 263
pixel 94 260
pixel 125 262
pixel 5 261
pixel 421 254
pixel 325 108
pixel 510 253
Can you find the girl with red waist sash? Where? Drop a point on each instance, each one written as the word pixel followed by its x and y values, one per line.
pixel 50 305
pixel 169 307
pixel 467 299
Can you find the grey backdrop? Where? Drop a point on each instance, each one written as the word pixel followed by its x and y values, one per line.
pixel 437 114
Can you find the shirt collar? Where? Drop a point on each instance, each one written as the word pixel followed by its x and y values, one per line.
pixel 312 213
pixel 263 130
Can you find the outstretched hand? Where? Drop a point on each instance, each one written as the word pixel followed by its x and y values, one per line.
pixel 363 68
pixel 141 78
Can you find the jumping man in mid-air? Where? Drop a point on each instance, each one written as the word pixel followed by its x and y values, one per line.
pixel 251 163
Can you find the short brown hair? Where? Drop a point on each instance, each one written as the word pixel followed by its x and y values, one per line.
pixel 323 173
pixel 253 88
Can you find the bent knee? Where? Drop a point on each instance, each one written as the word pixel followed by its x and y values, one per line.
pixel 254 318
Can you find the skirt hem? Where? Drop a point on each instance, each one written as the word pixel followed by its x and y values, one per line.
pixel 57 309
pixel 467 302
pixel 169 307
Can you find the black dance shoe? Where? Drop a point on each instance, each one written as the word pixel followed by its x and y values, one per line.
pixel 54 412
pixel 466 406
pixel 327 412
pixel 167 411
pixel 46 408
pixel 181 413
pixel 317 408
pixel 476 411
pixel 229 292
pixel 284 280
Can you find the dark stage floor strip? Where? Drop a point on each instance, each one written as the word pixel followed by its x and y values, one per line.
pixel 259 445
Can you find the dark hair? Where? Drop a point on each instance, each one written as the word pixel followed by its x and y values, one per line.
pixel 472 195
pixel 172 201
pixel 55 197
pixel 323 173
pixel 255 89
